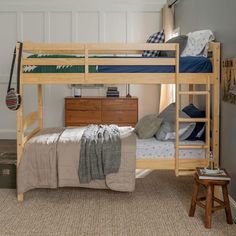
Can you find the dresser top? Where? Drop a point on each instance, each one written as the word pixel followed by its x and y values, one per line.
pixel 97 97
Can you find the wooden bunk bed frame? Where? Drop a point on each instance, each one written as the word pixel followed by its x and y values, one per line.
pixel 211 80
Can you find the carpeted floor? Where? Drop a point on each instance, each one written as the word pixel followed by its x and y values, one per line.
pixel 159 206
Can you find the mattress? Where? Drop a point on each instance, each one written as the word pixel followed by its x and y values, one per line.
pixel 155 149
pixel 55 68
pixel 187 65
pixel 145 148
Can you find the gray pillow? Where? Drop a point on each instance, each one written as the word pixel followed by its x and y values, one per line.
pixel 181 40
pixel 168 114
pixel 147 126
pixel 167 129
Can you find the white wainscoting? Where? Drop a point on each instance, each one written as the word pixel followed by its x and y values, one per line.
pixel 73 21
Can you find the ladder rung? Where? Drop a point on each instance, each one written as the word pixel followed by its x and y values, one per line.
pixel 193 120
pixel 194 93
pixel 193 146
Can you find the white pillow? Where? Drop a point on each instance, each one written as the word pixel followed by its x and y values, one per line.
pixel 169 134
pixel 198 43
pixel 167 129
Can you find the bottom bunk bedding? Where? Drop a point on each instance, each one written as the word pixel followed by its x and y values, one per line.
pixel 51 160
pixel 154 149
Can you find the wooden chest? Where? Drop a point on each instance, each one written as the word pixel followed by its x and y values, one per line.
pixel 101 110
pixel 8 170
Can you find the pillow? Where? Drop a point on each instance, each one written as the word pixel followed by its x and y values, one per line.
pixel 199 131
pixel 167 129
pixel 147 126
pixel 198 43
pixel 158 37
pixel 168 114
pixel 181 40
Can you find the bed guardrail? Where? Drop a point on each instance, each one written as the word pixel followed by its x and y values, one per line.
pixel 86 59
pixel 88 50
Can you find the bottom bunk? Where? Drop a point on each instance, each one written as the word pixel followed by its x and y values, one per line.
pixel 154 154
pixel 51 159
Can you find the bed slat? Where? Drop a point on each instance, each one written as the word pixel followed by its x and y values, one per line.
pixel 52 61
pixel 193 120
pixel 131 61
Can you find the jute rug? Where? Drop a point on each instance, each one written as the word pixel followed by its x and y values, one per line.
pixel 159 206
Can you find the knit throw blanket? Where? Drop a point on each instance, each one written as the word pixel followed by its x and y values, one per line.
pixel 100 152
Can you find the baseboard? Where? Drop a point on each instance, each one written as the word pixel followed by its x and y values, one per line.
pixel 233 207
pixel 7 134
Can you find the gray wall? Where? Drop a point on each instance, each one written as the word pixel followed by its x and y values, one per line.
pixel 220 17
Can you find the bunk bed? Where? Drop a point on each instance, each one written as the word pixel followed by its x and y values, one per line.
pixel 119 67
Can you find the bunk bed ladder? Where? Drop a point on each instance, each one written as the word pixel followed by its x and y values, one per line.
pixel 182 170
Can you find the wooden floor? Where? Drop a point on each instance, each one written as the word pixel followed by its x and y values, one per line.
pixel 7 145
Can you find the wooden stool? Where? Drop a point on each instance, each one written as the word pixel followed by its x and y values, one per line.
pixel 209 184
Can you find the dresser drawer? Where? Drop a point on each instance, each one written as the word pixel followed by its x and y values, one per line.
pixel 85 117
pixel 101 110
pixel 118 117
pixel 119 104
pixel 83 105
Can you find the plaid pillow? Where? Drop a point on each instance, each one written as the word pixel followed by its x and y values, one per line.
pixel 158 37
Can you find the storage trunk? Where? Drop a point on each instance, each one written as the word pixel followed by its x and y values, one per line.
pixel 7 170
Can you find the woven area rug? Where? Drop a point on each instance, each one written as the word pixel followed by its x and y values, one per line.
pixel 159 206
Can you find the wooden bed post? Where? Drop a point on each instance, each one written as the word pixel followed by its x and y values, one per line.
pixel 177 104
pixel 208 117
pixel 20 123
pixel 216 103
pixel 20 136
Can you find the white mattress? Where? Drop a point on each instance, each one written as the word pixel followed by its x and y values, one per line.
pixel 154 149
pixel 145 148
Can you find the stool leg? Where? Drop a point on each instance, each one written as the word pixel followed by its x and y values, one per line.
pixel 194 199
pixel 208 209
pixel 227 205
pixel 213 190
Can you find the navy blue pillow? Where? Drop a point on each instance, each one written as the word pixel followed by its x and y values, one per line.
pixel 194 112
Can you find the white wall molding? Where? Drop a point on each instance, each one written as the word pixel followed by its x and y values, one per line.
pixel 92 5
pixel 100 26
pixel 233 207
pixel 73 21
pixel 74 26
pixel 47 26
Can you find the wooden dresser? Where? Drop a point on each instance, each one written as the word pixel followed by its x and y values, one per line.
pixel 101 110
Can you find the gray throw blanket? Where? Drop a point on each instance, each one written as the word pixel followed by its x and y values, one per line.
pixel 100 152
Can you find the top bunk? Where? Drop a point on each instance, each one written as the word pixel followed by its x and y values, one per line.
pixel 119 63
